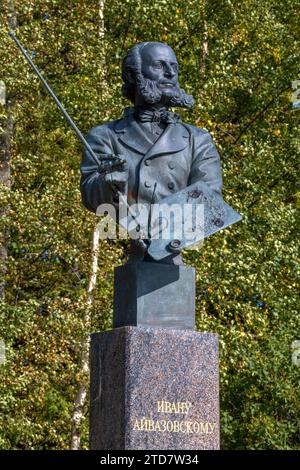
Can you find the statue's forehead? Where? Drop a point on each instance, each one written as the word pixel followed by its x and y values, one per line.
pixel 158 52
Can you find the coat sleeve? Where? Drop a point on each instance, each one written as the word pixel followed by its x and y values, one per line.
pixel 94 190
pixel 206 165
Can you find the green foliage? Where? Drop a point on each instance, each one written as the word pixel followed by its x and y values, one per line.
pixel 247 275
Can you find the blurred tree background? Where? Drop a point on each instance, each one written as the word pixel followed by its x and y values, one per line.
pixel 238 59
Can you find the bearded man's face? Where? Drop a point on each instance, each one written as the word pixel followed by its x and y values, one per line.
pixel 158 80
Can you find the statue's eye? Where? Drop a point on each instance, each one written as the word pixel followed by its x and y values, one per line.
pixel 158 65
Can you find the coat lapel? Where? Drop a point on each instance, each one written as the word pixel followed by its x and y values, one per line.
pixel 132 136
pixel 174 138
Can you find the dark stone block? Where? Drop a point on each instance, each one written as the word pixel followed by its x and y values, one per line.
pixel 154 389
pixel 154 295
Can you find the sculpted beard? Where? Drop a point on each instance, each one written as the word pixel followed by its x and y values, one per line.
pixel 151 93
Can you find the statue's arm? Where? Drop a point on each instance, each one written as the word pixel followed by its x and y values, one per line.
pixel 94 189
pixel 206 165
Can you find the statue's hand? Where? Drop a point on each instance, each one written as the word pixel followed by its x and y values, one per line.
pixel 115 168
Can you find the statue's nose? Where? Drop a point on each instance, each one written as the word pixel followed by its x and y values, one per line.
pixel 169 72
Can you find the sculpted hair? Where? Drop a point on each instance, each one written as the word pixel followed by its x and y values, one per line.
pixel 131 67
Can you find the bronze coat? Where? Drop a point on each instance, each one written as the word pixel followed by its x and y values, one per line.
pixel 182 155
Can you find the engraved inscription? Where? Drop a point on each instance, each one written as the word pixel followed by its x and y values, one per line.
pixel 181 407
pixel 184 426
pixel 163 425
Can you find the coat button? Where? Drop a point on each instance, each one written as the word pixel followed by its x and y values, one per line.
pixel 147 184
pixel 171 185
pixel 171 165
pixel 147 162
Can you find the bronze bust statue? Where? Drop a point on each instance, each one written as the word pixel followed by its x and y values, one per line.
pixel 153 145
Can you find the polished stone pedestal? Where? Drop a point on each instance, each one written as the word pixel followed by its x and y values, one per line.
pixel 154 389
pixel 154 295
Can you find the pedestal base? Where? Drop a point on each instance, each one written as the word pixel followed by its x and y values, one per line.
pixel 154 389
pixel 154 295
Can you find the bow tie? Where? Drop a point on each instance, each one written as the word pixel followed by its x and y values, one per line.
pixel 163 116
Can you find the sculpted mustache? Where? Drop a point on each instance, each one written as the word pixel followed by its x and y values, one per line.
pixel 146 86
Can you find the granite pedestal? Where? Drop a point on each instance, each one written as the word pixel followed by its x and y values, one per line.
pixel 154 295
pixel 154 389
